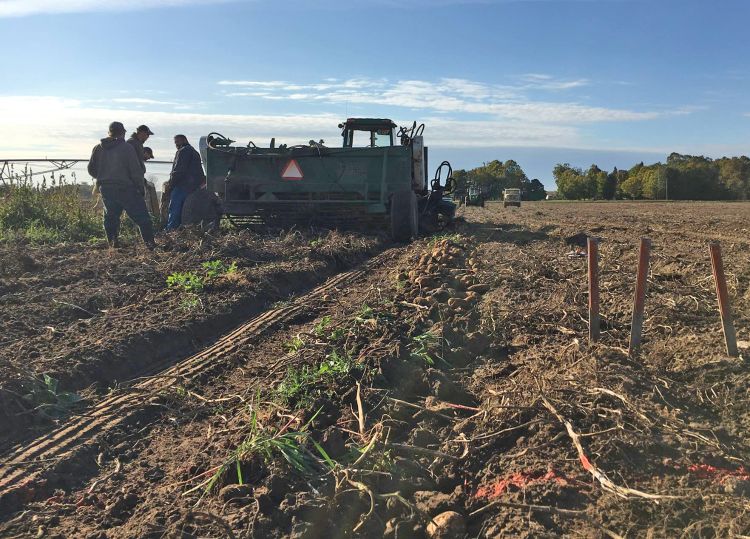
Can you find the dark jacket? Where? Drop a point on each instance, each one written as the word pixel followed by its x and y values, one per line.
pixel 114 163
pixel 138 145
pixel 187 171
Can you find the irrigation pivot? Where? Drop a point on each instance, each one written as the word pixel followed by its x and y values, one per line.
pixel 7 173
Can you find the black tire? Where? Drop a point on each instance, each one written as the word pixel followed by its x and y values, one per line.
pixel 201 208
pixel 404 218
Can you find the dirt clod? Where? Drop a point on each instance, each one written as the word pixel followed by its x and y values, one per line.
pixel 446 389
pixel 236 493
pixel 121 507
pixel 432 502
pixel 333 443
pixel 424 438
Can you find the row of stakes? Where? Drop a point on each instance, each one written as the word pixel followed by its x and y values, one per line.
pixel 639 299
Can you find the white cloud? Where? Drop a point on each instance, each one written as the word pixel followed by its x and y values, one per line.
pixel 70 128
pixel 142 101
pixel 52 126
pixel 328 84
pixel 454 96
pixel 254 83
pixel 21 8
pixel 541 81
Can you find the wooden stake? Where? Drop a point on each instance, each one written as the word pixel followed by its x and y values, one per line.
pixel 639 299
pixel 730 338
pixel 592 245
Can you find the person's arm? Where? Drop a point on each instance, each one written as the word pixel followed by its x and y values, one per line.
pixel 135 171
pixel 93 167
pixel 199 177
pixel 138 152
pixel 180 168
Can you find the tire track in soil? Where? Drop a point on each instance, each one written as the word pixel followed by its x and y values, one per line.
pixel 29 472
pixel 398 381
pixel 157 347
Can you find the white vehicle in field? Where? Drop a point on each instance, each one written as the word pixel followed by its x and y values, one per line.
pixel 511 197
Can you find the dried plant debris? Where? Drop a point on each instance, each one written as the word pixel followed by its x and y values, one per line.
pixel 443 389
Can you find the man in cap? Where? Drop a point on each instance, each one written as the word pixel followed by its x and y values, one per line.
pixel 186 176
pixel 137 140
pixel 119 175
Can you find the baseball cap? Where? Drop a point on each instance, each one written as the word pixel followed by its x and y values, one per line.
pixel 116 128
pixel 142 128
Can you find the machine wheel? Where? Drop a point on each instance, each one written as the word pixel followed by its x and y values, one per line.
pixel 202 208
pixel 404 218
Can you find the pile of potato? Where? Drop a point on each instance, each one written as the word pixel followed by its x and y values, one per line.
pixel 443 281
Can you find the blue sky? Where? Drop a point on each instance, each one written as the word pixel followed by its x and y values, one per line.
pixel 611 82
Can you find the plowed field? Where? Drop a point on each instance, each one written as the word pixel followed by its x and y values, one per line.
pixel 339 386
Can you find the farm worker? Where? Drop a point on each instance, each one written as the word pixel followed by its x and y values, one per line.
pixel 137 140
pixel 152 201
pixel 119 175
pixel 186 176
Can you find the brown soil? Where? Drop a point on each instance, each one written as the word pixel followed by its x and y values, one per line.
pixel 439 390
pixel 84 314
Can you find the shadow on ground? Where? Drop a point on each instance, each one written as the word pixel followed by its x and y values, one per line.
pixel 507 232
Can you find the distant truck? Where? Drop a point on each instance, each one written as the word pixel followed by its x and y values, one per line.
pixel 511 197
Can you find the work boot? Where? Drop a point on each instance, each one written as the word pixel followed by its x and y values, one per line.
pixel 113 243
pixel 150 245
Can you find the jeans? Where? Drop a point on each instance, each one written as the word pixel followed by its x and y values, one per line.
pixel 116 199
pixel 176 202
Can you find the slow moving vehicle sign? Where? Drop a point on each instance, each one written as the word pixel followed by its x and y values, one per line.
pixel 292 171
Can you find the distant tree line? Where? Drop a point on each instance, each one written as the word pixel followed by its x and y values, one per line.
pixel 682 177
pixel 495 176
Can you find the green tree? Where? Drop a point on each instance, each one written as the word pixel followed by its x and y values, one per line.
pixel 734 175
pixel 535 190
pixel 653 181
pixel 572 183
pixel 693 178
pixel 514 174
pixel 609 188
pixel 597 180
pixel 632 187
pixel 493 177
pixel 681 177
pixel 461 179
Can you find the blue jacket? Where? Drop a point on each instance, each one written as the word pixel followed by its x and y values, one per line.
pixel 187 171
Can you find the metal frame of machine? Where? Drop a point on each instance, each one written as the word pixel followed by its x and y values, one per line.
pixel 385 180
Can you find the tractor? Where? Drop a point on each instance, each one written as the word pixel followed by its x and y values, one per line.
pixel 377 178
pixel 474 196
